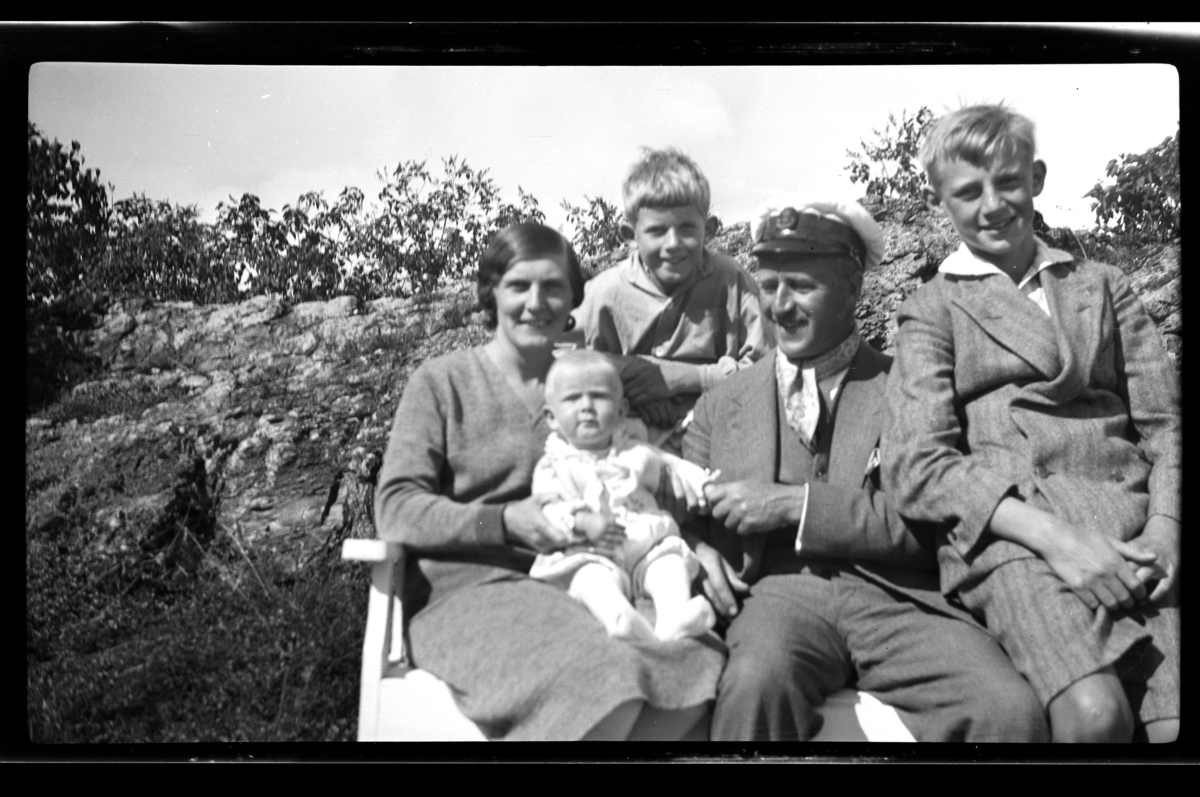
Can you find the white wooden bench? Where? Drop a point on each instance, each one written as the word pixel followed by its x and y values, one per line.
pixel 399 703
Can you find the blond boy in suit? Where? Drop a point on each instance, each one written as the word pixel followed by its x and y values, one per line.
pixel 1036 415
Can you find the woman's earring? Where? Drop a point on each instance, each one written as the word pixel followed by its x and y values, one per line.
pixel 570 323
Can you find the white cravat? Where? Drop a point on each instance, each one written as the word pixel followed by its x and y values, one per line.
pixel 799 388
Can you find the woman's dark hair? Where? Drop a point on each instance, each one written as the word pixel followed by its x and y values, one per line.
pixel 518 243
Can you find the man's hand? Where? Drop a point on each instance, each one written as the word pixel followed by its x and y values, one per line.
pixel 751 507
pixel 680 496
pixel 720 583
pixel 1161 537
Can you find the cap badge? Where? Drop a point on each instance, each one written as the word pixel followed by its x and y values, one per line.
pixel 787 219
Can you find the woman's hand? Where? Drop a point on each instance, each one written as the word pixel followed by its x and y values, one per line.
pixel 526 524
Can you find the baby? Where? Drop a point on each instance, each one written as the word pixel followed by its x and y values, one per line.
pixel 604 475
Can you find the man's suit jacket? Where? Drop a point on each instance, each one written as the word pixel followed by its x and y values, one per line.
pixel 1078 416
pixel 736 429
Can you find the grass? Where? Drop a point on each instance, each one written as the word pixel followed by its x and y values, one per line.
pixel 236 651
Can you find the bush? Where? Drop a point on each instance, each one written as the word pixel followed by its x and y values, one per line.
pixel 431 231
pixel 597 226
pixel 66 220
pixel 162 251
pixel 428 232
pixel 889 167
pixel 1143 201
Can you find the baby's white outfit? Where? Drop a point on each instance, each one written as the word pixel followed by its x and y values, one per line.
pixel 618 483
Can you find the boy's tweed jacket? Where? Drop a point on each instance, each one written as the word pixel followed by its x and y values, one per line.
pixel 736 430
pixel 1077 415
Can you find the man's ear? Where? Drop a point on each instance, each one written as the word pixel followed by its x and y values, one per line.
pixel 1039 177
pixel 933 200
pixel 627 231
pixel 711 225
pixel 856 284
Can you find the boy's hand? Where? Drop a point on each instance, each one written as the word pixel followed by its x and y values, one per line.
pixel 643 381
pixel 1098 569
pixel 658 413
pixel 1161 537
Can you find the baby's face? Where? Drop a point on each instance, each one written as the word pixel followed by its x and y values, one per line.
pixel 584 404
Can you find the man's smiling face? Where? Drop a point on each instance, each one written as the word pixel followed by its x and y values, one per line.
pixel 809 301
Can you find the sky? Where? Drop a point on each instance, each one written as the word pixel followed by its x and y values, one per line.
pixel 198 134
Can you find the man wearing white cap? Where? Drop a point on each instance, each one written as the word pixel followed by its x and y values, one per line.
pixel 823 584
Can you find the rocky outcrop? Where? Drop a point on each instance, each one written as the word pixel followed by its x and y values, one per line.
pixel 262 420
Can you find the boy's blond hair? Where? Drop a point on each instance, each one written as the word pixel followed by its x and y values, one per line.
pixel 977 134
pixel 664 178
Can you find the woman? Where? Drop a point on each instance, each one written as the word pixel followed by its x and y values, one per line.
pixel 525 661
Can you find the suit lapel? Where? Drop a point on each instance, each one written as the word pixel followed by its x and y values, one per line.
pixel 754 424
pixel 754 454
pixel 858 418
pixel 1078 308
pixel 1012 320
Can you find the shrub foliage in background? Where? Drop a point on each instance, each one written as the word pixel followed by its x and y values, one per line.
pixel 1143 199
pixel 888 167
pixel 597 226
pixel 67 212
pixel 425 231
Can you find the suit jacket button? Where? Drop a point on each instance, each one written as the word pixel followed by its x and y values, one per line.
pixel 1117 476
pixel 1041 472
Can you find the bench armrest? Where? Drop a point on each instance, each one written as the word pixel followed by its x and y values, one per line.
pixel 383 652
pixel 371 551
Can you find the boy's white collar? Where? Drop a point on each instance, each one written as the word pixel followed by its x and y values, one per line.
pixel 963 262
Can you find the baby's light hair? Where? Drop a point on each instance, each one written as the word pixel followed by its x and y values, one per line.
pixel 584 357
pixel 664 178
pixel 977 134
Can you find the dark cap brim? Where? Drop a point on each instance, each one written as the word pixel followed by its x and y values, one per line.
pixel 791 246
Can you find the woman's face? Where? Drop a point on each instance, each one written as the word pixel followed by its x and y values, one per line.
pixel 533 302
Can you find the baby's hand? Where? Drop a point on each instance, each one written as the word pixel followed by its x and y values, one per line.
pixel 592 525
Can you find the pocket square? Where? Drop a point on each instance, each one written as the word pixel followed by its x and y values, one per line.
pixel 873 462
